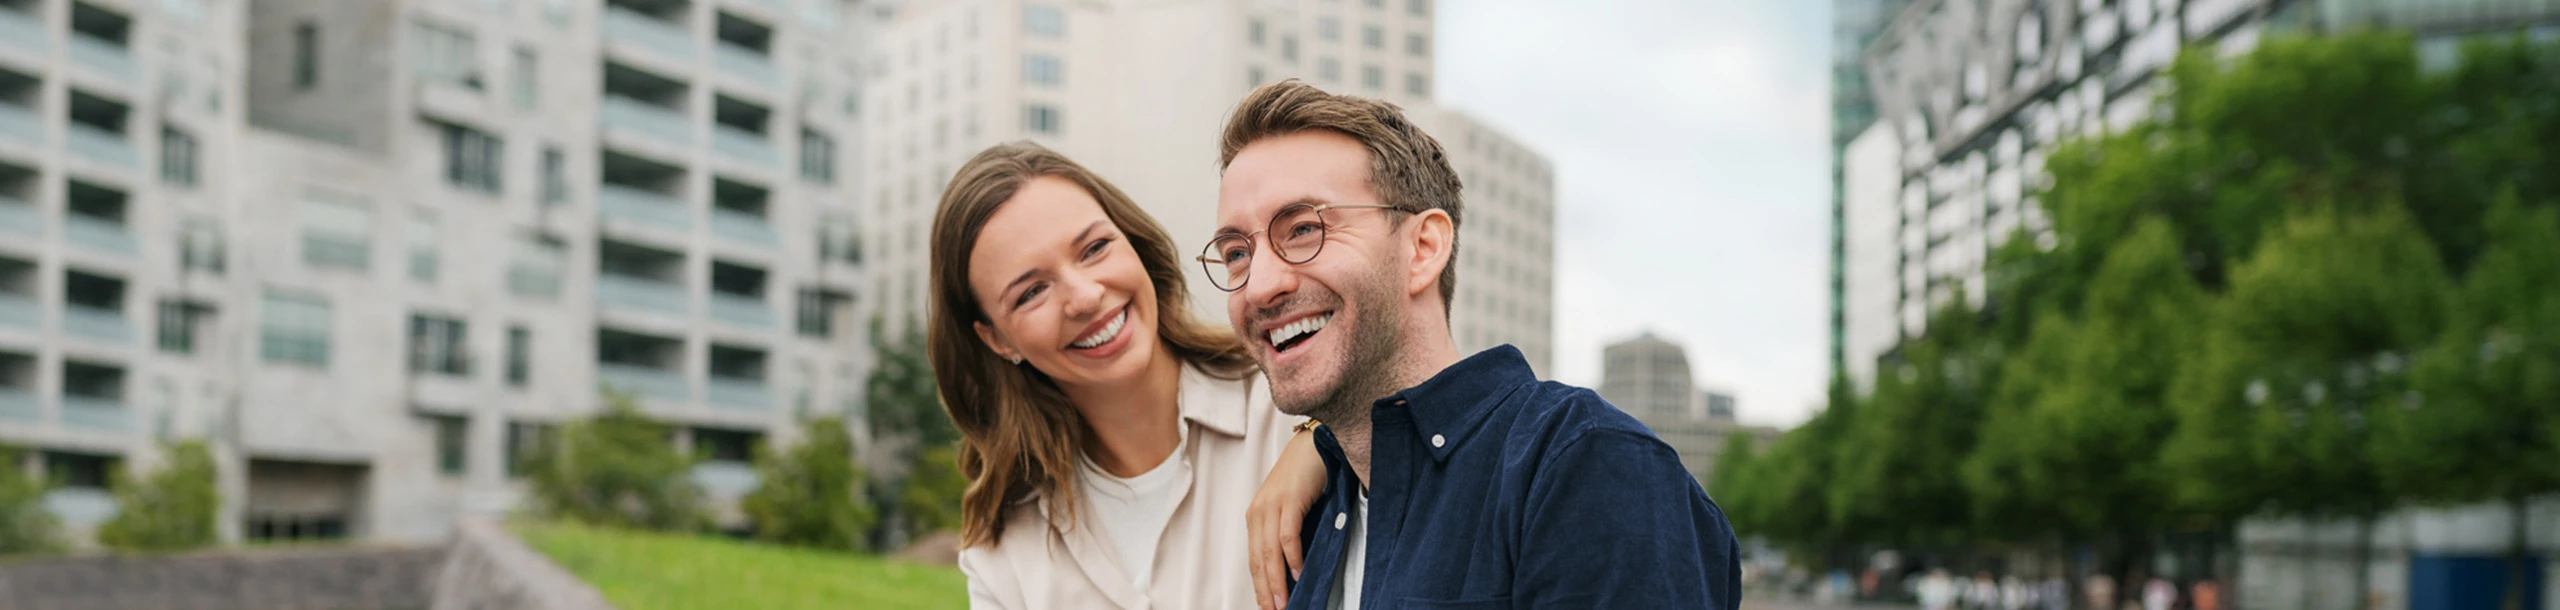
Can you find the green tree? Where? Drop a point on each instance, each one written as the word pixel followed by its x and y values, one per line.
pixel 25 526
pixel 931 497
pixel 1899 475
pixel 1731 485
pixel 172 509
pixel 2485 423
pixel 904 401
pixel 811 494
pixel 2311 342
pixel 617 469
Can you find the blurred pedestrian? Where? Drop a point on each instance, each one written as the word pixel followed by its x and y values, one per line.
pixel 2101 592
pixel 2055 594
pixel 2158 594
pixel 2205 595
pixel 1937 591
pixel 1986 594
pixel 2014 594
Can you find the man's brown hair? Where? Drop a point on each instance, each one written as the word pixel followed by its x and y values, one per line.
pixel 1406 166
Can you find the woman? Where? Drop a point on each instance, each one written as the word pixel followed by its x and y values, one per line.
pixel 1113 443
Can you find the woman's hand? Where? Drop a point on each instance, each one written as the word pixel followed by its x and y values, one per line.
pixel 1272 522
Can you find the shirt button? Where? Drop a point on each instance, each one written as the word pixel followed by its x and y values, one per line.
pixel 1438 441
pixel 1339 519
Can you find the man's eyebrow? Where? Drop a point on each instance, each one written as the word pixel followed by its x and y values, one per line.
pixel 1309 201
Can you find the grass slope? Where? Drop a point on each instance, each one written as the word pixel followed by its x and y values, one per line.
pixel 646 571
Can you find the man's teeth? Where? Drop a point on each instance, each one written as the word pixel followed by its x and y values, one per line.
pixel 1108 332
pixel 1301 327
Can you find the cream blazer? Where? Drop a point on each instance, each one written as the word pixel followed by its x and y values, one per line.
pixel 1235 437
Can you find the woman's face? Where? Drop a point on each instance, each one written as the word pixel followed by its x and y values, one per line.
pixel 1065 291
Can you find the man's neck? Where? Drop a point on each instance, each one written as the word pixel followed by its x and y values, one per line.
pixel 1351 423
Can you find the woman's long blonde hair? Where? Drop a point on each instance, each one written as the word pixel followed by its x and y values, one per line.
pixel 1018 432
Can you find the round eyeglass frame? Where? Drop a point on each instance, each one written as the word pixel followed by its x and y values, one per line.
pixel 1216 267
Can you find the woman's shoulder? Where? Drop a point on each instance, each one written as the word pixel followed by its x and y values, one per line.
pixel 1026 532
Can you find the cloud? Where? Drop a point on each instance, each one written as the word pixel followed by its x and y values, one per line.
pixel 1690 141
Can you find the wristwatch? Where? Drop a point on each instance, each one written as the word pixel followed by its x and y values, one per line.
pixel 1304 426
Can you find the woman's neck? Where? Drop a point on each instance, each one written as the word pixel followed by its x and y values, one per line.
pixel 1136 423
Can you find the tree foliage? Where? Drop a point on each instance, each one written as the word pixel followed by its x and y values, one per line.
pixel 25 526
pixel 812 493
pixel 617 468
pixel 931 496
pixel 170 509
pixel 904 401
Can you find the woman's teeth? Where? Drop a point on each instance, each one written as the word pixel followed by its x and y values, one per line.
pixel 1300 328
pixel 1108 332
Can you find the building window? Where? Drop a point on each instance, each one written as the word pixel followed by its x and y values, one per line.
pixel 528 85
pixel 453 444
pixel 77 470
pixel 336 231
pixel 555 175
pixel 1419 8
pixel 1373 37
pixel 1040 119
pixel 817 312
pixel 1328 70
pixel 1417 85
pixel 1289 47
pixel 472 159
pixel 1042 69
pixel 306 56
pixel 294 329
pixel 200 246
pixel 424 235
pixel 177 157
pixel 436 345
pixel 446 55
pixel 1417 45
pixel 179 322
pixel 1254 77
pixel 536 268
pixel 524 439
pixel 1377 4
pixel 817 157
pixel 1329 29
pixel 1253 32
pixel 1373 78
pixel 1044 20
pixel 519 356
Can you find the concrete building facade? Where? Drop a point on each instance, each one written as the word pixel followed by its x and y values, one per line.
pixel 1649 378
pixel 373 251
pixel 1137 91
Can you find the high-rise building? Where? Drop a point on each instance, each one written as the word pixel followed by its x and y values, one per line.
pixel 1137 91
pixel 1971 96
pixel 373 250
pixel 1648 377
pixel 1854 24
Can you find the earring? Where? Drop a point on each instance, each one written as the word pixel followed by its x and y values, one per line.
pixel 1017 360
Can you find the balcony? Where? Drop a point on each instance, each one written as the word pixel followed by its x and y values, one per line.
pixel 739 393
pixel 643 382
pixel 99 235
pixel 638 206
pixel 20 218
pixel 747 64
pixel 625 292
pixel 104 56
pixel 24 31
pixel 626 114
pixel 743 311
pixel 103 146
pixel 100 324
pixel 746 229
pixel 20 405
pixel 746 147
pixel 20 311
pixel 669 41
pixel 21 123
pixel 99 414
pixel 726 479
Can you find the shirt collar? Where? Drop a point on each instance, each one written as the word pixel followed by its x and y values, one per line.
pixel 1216 404
pixel 1453 404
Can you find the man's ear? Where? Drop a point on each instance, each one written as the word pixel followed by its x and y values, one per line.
pixel 1433 238
pixel 995 341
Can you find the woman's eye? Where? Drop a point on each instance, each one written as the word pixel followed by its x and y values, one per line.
pixel 1027 293
pixel 1095 249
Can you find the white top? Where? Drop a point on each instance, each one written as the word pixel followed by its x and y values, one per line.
pixel 1131 512
pixel 1355 557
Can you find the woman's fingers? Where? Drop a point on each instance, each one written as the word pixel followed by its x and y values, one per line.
pixel 1264 565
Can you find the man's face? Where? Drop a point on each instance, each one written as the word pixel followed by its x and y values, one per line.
pixel 1326 331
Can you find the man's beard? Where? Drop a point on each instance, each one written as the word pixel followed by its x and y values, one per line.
pixel 1368 366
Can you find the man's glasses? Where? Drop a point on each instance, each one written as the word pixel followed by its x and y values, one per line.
pixel 1297 234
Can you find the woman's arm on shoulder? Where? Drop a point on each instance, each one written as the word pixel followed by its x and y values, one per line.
pixel 1272 521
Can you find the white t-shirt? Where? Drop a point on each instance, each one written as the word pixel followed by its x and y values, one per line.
pixel 1132 512
pixel 1355 557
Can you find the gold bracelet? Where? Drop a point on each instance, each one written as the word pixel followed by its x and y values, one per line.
pixel 1304 426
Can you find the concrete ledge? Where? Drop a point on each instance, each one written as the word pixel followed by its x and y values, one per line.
pixel 265 579
pixel 488 569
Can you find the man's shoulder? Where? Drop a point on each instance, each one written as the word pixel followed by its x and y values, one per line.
pixel 1570 413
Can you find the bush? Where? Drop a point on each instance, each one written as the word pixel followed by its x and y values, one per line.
pixel 616 469
pixel 25 527
pixel 172 509
pixel 931 500
pixel 810 493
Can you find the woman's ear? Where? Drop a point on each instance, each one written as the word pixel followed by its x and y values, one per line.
pixel 995 341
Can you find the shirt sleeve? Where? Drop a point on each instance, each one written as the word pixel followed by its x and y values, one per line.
pixel 1614 521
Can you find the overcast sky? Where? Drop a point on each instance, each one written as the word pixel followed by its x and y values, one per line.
pixel 1689 141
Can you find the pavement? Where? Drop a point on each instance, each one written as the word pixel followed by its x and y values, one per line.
pixel 1778 603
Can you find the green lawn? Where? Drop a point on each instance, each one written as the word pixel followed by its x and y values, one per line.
pixel 644 571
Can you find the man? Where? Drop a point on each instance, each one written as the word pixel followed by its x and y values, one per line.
pixel 1454 483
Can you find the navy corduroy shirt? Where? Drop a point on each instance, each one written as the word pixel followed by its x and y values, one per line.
pixel 1491 489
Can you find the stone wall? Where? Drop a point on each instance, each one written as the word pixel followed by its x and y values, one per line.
pixel 491 570
pixel 262 579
